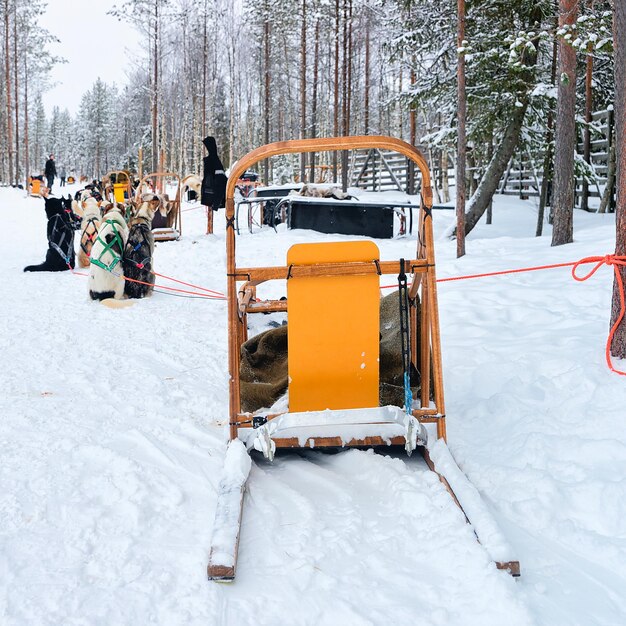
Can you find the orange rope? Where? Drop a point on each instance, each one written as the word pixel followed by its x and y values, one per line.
pixel 617 262
pixel 212 295
pixel 182 282
pixel 610 259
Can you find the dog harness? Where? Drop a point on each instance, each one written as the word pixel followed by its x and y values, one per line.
pixel 108 247
pixel 61 237
pixel 89 237
pixel 130 250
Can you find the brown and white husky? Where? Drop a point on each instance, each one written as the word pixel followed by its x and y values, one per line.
pixel 88 229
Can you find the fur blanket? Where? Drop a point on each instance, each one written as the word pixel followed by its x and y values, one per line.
pixel 264 372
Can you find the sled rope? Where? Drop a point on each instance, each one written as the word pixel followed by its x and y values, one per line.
pixel 616 261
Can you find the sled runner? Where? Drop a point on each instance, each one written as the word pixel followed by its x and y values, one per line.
pixel 169 227
pixel 334 380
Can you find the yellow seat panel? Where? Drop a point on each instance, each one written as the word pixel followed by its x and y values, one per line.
pixel 333 330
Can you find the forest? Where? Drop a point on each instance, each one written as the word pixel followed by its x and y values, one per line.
pixel 269 70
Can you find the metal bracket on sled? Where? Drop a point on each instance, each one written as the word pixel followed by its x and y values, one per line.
pixel 263 441
pixel 415 434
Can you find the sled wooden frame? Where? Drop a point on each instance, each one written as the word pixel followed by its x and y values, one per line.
pixel 174 228
pixel 128 186
pixel 425 351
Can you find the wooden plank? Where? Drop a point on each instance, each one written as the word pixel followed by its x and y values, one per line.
pixel 253 274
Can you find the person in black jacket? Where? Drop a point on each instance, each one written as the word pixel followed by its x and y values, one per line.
pixel 214 179
pixel 50 171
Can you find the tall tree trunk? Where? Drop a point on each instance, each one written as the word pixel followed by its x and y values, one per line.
pixel 26 139
pixel 266 56
pixel 316 65
pixel 563 196
pixel 303 155
pixel 336 89
pixel 7 77
pixel 548 161
pixel 461 140
pixel 205 53
pixel 618 347
pixel 17 98
pixel 366 103
pixel 584 204
pixel 155 90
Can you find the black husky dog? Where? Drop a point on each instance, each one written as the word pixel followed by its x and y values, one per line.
pixel 60 254
pixel 139 248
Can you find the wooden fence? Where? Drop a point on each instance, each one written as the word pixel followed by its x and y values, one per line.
pixel 378 170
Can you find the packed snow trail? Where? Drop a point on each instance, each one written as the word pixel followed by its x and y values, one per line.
pixel 113 436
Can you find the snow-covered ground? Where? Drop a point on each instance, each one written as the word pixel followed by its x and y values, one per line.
pixel 112 438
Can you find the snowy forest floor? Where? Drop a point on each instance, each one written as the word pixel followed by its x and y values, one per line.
pixel 112 438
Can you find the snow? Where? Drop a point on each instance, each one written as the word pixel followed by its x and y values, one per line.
pixel 237 465
pixel 114 427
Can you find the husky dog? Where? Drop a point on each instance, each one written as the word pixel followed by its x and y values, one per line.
pixel 323 191
pixel 193 185
pixel 60 232
pixel 139 249
pixel 88 229
pixel 106 278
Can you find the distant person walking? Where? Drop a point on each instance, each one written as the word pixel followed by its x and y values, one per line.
pixel 50 171
pixel 62 175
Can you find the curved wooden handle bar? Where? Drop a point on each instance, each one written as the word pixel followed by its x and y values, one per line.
pixel 330 144
pixel 158 175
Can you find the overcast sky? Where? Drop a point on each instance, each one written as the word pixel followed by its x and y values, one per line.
pixel 93 43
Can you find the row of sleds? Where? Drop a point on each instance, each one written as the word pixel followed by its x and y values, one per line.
pixel 327 364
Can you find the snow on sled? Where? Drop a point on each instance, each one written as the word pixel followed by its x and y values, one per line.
pixel 335 357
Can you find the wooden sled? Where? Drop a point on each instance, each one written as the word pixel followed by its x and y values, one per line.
pixel 333 336
pixel 163 228
pixel 118 187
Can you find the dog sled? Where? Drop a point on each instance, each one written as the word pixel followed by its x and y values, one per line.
pixel 35 185
pixel 167 228
pixel 333 309
pixel 119 187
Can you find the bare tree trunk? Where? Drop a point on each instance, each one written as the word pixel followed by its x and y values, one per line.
pixel 316 64
pixel 155 89
pixel 584 203
pixel 461 142
pixel 205 53
pixel 266 129
pixel 548 164
pixel 26 139
pixel 336 90
pixel 17 98
pixel 7 77
pixel 303 88
pixel 618 346
pixel 563 197
pixel 366 103
pixel 344 96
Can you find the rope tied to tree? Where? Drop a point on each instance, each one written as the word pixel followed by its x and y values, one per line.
pixel 616 261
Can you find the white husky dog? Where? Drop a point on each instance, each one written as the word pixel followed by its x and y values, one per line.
pixel 106 274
